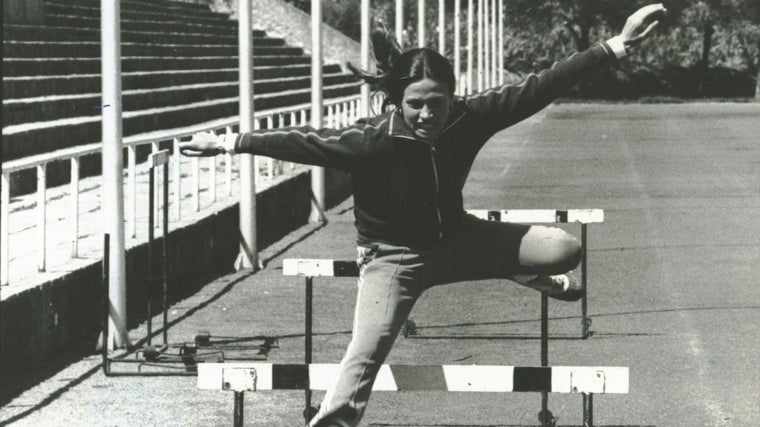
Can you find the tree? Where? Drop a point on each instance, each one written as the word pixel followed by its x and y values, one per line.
pixel 723 24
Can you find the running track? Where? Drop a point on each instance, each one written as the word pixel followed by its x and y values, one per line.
pixel 674 290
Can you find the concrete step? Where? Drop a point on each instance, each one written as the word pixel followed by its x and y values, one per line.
pixel 33 86
pixel 140 14
pixel 16 67
pixel 64 34
pixel 40 137
pixel 25 49
pixel 50 108
pixel 139 5
pixel 175 26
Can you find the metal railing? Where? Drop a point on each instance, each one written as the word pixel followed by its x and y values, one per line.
pixel 339 112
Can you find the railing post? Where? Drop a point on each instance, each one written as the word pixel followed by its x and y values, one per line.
pixel 132 190
pixel 196 184
pixel 494 41
pixel 212 178
pixel 400 23
pixel 470 45
pixel 486 44
pixel 248 257
pixel 317 173
pixel 42 215
pixel 176 180
pixel 74 212
pixel 257 159
pixel 5 199
pixel 228 168
pixel 279 163
pixel 421 23
pixel 457 43
pixel 270 165
pixel 480 45
pixel 154 147
pixel 501 42
pixel 442 27
pixel 113 190
pixel 365 95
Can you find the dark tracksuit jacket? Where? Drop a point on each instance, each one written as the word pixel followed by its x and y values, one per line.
pixel 408 192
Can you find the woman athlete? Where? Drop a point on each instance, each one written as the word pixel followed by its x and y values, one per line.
pixel 408 168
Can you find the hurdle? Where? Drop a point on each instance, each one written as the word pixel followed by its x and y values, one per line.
pixel 584 217
pixel 312 268
pixel 189 354
pixel 585 380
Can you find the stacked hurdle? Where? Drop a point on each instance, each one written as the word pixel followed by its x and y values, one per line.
pixel 157 356
pixel 585 380
pixel 551 216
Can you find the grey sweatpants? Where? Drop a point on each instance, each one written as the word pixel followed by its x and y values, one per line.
pixel 393 277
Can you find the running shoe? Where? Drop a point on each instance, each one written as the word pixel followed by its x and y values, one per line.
pixel 563 287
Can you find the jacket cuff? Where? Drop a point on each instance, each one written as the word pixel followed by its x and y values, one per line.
pixel 616 46
pixel 228 142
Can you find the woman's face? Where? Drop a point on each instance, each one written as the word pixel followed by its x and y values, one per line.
pixel 426 106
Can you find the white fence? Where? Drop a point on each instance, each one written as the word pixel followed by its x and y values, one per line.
pixel 28 217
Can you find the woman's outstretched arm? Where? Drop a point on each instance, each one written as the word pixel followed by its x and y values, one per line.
pixel 336 148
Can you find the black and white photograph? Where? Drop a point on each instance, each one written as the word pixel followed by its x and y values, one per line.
pixel 389 213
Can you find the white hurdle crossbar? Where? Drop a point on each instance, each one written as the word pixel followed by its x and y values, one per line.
pixel 242 377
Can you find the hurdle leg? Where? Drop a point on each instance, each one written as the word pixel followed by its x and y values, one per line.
pixel 106 302
pixel 544 329
pixel 585 321
pixel 164 250
pixel 149 286
pixel 238 415
pixel 546 417
pixel 588 410
pixel 307 338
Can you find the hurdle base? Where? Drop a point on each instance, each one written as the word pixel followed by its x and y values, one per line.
pixel 160 363
pixel 182 364
pixel 185 362
pixel 411 330
pixel 205 340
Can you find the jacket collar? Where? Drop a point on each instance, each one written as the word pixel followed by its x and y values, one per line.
pixel 399 129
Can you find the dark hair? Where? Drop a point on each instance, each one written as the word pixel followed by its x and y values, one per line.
pixel 397 70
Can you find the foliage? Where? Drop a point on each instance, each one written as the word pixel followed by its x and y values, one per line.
pixel 696 34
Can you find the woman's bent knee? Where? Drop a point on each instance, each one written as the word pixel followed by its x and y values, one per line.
pixel 570 254
pixel 549 250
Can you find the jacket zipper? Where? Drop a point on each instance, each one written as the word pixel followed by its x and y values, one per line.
pixel 435 198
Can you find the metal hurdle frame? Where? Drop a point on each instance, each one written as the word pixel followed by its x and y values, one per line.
pixel 151 356
pixel 160 158
pixel 242 377
pixel 148 355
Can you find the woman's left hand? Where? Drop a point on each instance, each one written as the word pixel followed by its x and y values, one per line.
pixel 203 144
pixel 632 33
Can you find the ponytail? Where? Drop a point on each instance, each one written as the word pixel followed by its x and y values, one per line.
pixel 397 69
pixel 386 52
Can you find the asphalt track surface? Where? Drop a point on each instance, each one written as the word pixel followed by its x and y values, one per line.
pixel 673 282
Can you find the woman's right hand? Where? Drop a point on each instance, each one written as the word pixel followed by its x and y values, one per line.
pixel 203 144
pixel 641 23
